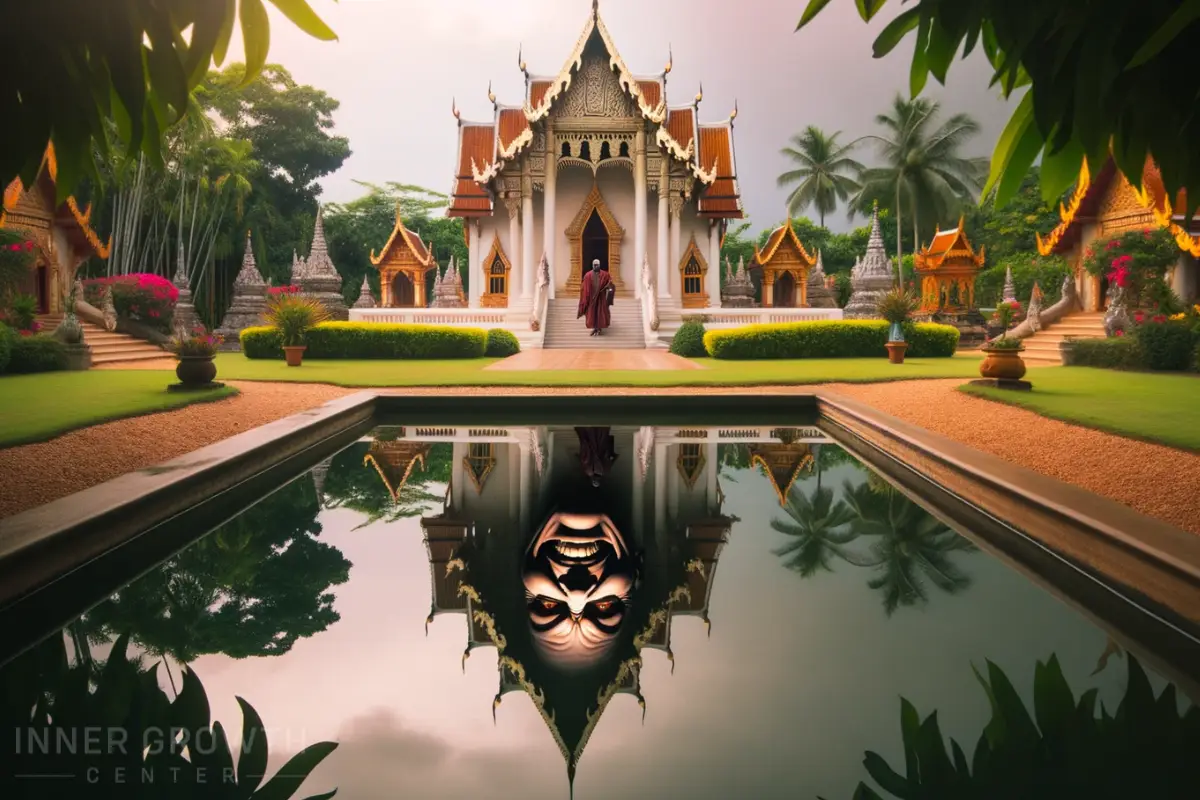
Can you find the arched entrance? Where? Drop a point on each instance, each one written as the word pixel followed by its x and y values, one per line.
pixel 403 295
pixel 595 244
pixel 784 293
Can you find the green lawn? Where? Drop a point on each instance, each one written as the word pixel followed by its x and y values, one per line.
pixel 471 372
pixel 34 408
pixel 1159 407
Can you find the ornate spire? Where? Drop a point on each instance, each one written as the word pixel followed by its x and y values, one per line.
pixel 1010 290
pixel 249 274
pixel 818 270
pixel 728 271
pixel 318 264
pixel 365 298
pixel 181 274
pixel 741 270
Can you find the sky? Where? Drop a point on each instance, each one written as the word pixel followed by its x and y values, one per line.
pixel 399 64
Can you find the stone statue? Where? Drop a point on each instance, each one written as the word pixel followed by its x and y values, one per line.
pixel 1116 318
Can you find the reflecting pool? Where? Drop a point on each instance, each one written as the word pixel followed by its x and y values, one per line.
pixel 637 611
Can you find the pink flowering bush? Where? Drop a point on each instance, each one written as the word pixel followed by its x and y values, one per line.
pixel 275 291
pixel 143 297
pixel 1136 261
pixel 16 260
pixel 199 343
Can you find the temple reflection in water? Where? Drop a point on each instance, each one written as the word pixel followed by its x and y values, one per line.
pixel 573 550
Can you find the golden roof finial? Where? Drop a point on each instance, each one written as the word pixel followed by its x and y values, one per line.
pixel 700 94
pixel 397 211
pixel 733 115
pixel 670 61
pixel 595 8
pixel 520 60
pixel 491 94
pixel 454 109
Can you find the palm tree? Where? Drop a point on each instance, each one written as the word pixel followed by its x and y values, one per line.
pixel 814 527
pixel 910 545
pixel 823 169
pixel 923 174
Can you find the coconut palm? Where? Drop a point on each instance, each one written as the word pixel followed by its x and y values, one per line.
pixel 817 527
pixel 823 172
pixel 910 546
pixel 923 174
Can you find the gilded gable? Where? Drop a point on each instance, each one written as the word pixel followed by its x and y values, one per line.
pixel 596 92
pixel 1121 210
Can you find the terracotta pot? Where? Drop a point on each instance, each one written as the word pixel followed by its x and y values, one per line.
pixel 294 355
pixel 896 351
pixel 1002 364
pixel 195 370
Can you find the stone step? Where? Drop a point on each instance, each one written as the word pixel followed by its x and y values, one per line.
pixel 129 345
pixel 141 355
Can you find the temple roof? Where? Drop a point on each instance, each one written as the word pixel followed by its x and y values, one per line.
pixel 403 237
pixel 395 461
pixel 782 464
pixel 67 213
pixel 707 149
pixel 784 232
pixel 1089 192
pixel 953 245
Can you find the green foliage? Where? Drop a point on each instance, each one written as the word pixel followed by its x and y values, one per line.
pixel 1062 749
pixel 47 693
pixel 370 340
pixel 16 260
pixel 22 311
pixel 501 344
pixel 1027 268
pixel 1166 345
pixel 898 305
pixel 688 341
pixel 7 335
pixel 823 169
pixel 253 587
pixel 736 244
pixel 828 339
pixel 123 63
pixel 1122 352
pixel 1136 261
pixel 38 353
pixel 356 228
pixel 293 316
pixel 1087 69
pixel 1010 229
pixel 844 287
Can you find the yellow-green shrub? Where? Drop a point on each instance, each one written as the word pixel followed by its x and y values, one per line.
pixel 371 340
pixel 828 339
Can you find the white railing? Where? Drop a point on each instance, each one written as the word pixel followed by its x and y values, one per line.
pixel 457 317
pixel 736 317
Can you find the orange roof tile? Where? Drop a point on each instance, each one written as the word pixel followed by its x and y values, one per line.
pixel 948 244
pixel 722 198
pixel 537 92
pixel 81 217
pixel 681 125
pixel 942 241
pixel 476 143
pixel 403 236
pixel 652 91
pixel 510 125
pixel 777 237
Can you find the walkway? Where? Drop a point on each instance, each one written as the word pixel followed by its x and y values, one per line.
pixel 594 360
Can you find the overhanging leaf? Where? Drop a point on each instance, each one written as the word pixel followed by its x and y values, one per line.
pixel 221 46
pixel 256 33
pixel 1187 13
pixel 304 18
pixel 896 30
pixel 885 777
pixel 1059 170
pixel 919 72
pixel 1018 123
pixel 814 8
pixel 287 781
pixel 252 753
pixel 868 8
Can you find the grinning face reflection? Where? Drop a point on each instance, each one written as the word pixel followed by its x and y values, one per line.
pixel 579 577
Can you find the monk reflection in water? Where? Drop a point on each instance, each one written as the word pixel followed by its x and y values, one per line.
pixel 597 452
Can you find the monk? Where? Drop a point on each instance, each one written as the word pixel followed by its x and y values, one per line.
pixel 597 452
pixel 596 298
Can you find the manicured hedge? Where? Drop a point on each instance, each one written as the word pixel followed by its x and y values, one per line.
pixel 372 340
pixel 1124 352
pixel 1166 346
pixel 6 343
pixel 828 339
pixel 38 353
pixel 501 344
pixel 689 340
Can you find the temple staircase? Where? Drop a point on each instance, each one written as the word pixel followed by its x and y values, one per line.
pixel 1043 348
pixel 108 347
pixel 565 332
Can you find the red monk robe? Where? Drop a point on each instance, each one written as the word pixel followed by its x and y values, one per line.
pixel 595 297
pixel 597 452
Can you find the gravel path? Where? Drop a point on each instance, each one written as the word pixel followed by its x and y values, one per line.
pixel 1153 479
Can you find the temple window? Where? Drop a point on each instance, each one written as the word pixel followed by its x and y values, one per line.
pixel 605 151
pixel 693 278
pixel 585 151
pixel 692 269
pixel 479 461
pixel 624 151
pixel 566 149
pixel 690 463
pixel 498 278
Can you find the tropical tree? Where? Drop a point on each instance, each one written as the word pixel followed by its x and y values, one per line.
pixel 131 63
pixel 923 174
pixel 1089 68
pixel 822 173
pixel 909 545
pixel 817 527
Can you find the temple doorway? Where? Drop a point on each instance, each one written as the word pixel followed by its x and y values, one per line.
pixel 595 243
pixel 784 293
pixel 403 295
pixel 43 289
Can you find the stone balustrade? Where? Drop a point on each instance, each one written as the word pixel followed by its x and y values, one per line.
pixel 716 319
pixel 461 317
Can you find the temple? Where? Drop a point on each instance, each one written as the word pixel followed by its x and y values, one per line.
pixel 1105 203
pixel 593 162
pixel 61 234
pixel 784 265
pixel 404 265
pixel 947 268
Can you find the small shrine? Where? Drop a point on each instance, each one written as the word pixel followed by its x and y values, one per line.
pixel 395 462
pixel 820 295
pixel 365 298
pixel 318 277
pixel 782 462
pixel 738 291
pixel 184 319
pixel 871 277
pixel 404 264
pixel 448 288
pixel 249 305
pixel 785 266
pixel 947 268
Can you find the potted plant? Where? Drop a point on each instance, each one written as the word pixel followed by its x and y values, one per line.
pixel 1002 360
pixel 195 351
pixel 293 316
pixel 897 306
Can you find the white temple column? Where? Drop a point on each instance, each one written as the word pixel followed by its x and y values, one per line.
pixel 549 200
pixel 711 464
pixel 660 490
pixel 515 251
pixel 713 279
pixel 639 208
pixel 474 259
pixel 676 243
pixel 528 260
pixel 525 485
pixel 674 487
pixel 664 217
